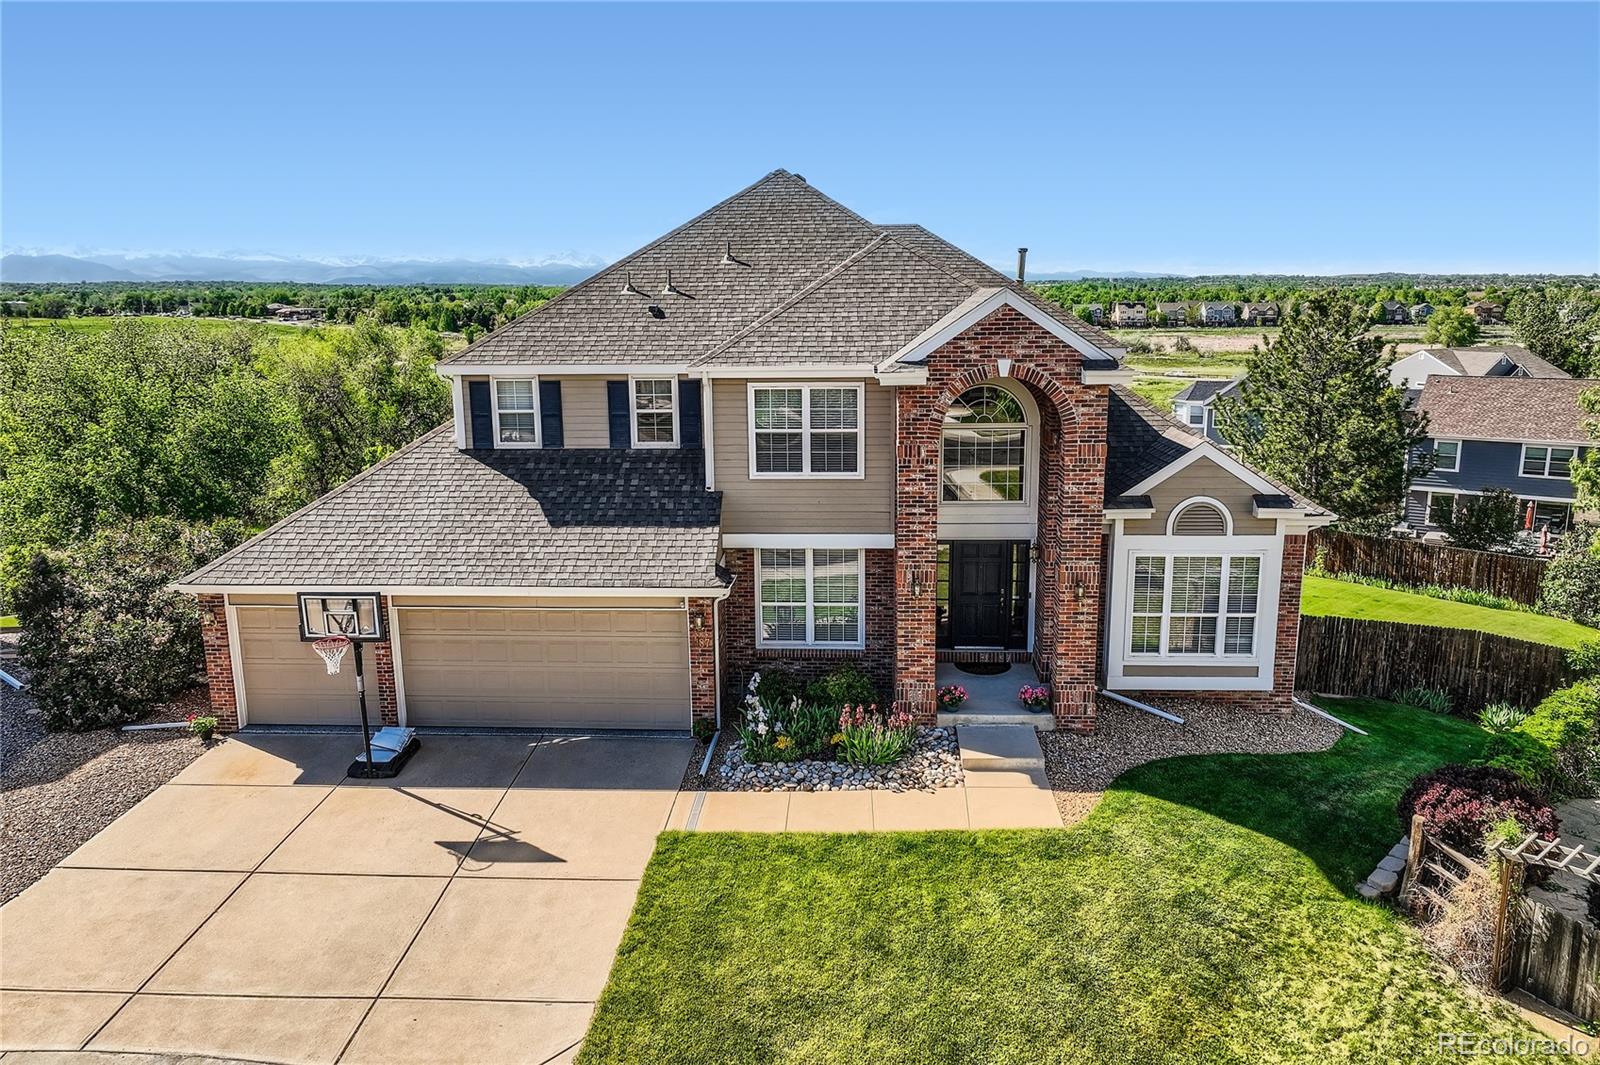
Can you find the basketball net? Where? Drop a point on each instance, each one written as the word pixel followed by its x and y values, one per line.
pixel 332 649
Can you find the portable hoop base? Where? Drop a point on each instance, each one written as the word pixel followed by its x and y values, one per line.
pixel 391 749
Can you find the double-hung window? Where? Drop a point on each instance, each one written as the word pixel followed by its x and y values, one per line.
pixel 516 412
pixel 1194 605
pixel 1447 456
pixel 809 597
pixel 805 431
pixel 1539 461
pixel 655 411
pixel 1441 508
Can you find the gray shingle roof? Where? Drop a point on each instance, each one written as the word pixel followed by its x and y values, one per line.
pixel 1498 361
pixel 1203 391
pixel 430 515
pixel 1507 408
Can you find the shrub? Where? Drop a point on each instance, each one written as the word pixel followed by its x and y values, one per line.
pixel 812 727
pixel 1424 698
pixel 1501 717
pixel 1183 343
pixel 103 637
pixel 844 686
pixel 786 732
pixel 778 687
pixel 1584 659
pixel 1460 803
pixel 1533 763
pixel 202 725
pixel 866 737
pixel 1571 584
pixel 1484 522
pixel 1138 346
pixel 703 730
pixel 1553 748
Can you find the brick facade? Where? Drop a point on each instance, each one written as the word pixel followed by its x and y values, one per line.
pixel 382 666
pixel 1072 461
pixel 741 656
pixel 219 661
pixel 702 661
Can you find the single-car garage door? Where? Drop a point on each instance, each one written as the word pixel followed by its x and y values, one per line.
pixel 558 667
pixel 285 683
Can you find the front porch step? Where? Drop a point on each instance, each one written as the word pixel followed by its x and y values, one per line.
pixel 1042 722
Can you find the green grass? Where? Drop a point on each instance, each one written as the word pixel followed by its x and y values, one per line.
pixel 1159 390
pixel 7 621
pixel 1328 597
pixel 1203 912
pixel 101 323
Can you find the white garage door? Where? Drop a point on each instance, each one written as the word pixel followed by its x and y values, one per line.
pixel 558 667
pixel 285 683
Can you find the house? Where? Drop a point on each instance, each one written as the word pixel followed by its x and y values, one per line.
pixel 780 435
pixel 1217 314
pixel 1422 312
pixel 285 313
pixel 1194 407
pixel 1393 312
pixel 1129 314
pixel 1094 312
pixel 1261 314
pixel 1486 313
pixel 1506 360
pixel 1173 313
pixel 1518 433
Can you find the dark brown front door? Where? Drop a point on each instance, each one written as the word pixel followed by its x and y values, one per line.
pixel 980 614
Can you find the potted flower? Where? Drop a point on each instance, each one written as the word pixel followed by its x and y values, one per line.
pixel 952 696
pixel 202 725
pixel 1036 697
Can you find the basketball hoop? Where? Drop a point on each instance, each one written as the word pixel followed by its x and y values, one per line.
pixel 332 649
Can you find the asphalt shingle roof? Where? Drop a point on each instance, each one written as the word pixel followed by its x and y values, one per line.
pixel 1201 391
pixel 1141 440
pixel 1507 408
pixel 1484 362
pixel 431 515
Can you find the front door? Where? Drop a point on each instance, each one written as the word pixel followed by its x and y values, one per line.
pixel 980 614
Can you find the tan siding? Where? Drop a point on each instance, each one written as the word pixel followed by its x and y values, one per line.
pixel 1203 478
pixel 584 419
pixel 782 505
pixel 285 681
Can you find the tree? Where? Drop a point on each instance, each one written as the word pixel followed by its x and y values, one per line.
pixel 1317 412
pixel 1561 326
pixel 1451 327
pixel 1483 523
pixel 1570 587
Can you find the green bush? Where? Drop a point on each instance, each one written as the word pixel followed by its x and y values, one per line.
pixel 811 726
pixel 845 686
pixel 103 637
pixel 779 687
pixel 1424 699
pixel 1501 717
pixel 1584 659
pixel 1571 584
pixel 1553 748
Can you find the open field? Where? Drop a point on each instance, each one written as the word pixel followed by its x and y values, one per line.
pixel 101 323
pixel 1325 596
pixel 1204 911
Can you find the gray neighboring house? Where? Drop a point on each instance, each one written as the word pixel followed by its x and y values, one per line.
pixel 1217 314
pixel 1421 312
pixel 1518 433
pixel 1395 312
pixel 1194 407
pixel 1175 313
pixel 1261 314
pixel 1506 360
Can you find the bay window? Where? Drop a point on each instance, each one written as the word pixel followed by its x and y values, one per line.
pixel 805 431
pixel 1194 605
pixel 809 597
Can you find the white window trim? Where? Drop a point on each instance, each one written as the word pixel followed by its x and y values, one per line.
pixel 634 412
pixel 1447 469
pixel 811 606
pixel 1220 655
pixel 494 410
pixel 805 388
pixel 1427 514
pixel 1177 511
pixel 1549 450
pixel 1030 449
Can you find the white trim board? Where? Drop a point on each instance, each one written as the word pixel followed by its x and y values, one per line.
pixel 441 591
pixel 863 540
pixel 985 302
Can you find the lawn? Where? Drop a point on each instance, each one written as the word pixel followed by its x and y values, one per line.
pixel 1325 596
pixel 103 322
pixel 7 622
pixel 1203 912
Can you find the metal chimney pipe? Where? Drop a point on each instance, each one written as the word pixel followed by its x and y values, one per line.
pixel 1022 264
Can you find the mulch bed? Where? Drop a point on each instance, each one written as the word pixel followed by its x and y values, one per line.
pixel 57 789
pixel 1081 767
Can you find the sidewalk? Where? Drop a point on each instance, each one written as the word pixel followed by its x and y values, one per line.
pixel 1005 788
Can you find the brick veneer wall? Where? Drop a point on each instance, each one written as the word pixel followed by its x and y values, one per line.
pixel 382 665
pixel 741 656
pixel 1072 461
pixel 702 661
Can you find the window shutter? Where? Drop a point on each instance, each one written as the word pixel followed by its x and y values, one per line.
pixel 550 413
pixel 617 413
pixel 482 418
pixel 689 413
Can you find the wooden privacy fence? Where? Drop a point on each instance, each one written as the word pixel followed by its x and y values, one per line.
pixel 1514 577
pixel 1348 656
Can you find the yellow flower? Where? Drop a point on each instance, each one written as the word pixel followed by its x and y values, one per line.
pixel 838 738
pixel 782 743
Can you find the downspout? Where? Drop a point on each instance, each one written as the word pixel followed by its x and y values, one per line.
pixel 706 438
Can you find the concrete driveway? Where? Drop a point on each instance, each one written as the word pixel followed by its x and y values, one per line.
pixel 263 907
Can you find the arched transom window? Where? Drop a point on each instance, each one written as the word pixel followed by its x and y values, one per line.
pixel 985 447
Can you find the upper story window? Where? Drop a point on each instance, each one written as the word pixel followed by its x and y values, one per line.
pixel 1540 461
pixel 1447 456
pixel 1195 415
pixel 985 447
pixel 655 411
pixel 805 431
pixel 516 412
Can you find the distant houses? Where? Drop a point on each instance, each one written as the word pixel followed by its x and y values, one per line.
pixel 1129 314
pixel 1260 314
pixel 1173 313
pixel 1218 314
pixel 1393 312
pixel 1506 360
pixel 1422 312
pixel 1486 313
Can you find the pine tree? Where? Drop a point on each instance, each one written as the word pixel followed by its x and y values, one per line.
pixel 1317 412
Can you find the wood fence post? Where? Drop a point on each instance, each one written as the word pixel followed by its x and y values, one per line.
pixel 1497 969
pixel 1413 856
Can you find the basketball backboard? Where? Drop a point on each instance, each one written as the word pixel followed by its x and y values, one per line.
pixel 352 614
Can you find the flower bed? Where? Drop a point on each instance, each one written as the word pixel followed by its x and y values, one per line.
pixel 934 761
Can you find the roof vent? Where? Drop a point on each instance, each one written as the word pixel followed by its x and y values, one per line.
pixel 1022 264
pixel 656 311
pixel 671 289
pixel 728 258
pixel 630 289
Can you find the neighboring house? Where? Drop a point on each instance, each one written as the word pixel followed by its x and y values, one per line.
pixel 1486 313
pixel 1129 314
pixel 1261 314
pixel 1216 314
pixel 779 436
pixel 1094 312
pixel 1195 407
pixel 1506 360
pixel 1394 313
pixel 1175 313
pixel 1422 312
pixel 1517 433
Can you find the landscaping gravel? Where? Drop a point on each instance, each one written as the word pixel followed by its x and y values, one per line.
pixel 933 762
pixel 1080 767
pixel 57 789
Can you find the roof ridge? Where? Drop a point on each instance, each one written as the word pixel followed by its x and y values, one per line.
pixel 611 268
pixel 359 475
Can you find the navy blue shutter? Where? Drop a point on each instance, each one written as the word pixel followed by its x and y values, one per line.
pixel 482 417
pixel 617 413
pixel 689 413
pixel 550 413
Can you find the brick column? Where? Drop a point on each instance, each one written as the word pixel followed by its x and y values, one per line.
pixel 382 665
pixel 1286 658
pixel 702 662
pixel 1076 531
pixel 916 546
pixel 219 661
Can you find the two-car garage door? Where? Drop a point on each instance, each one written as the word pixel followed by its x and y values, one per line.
pixel 567 666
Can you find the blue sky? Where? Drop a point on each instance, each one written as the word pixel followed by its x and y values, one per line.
pixel 1192 138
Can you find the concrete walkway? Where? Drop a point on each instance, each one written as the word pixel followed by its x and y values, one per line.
pixel 1005 788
